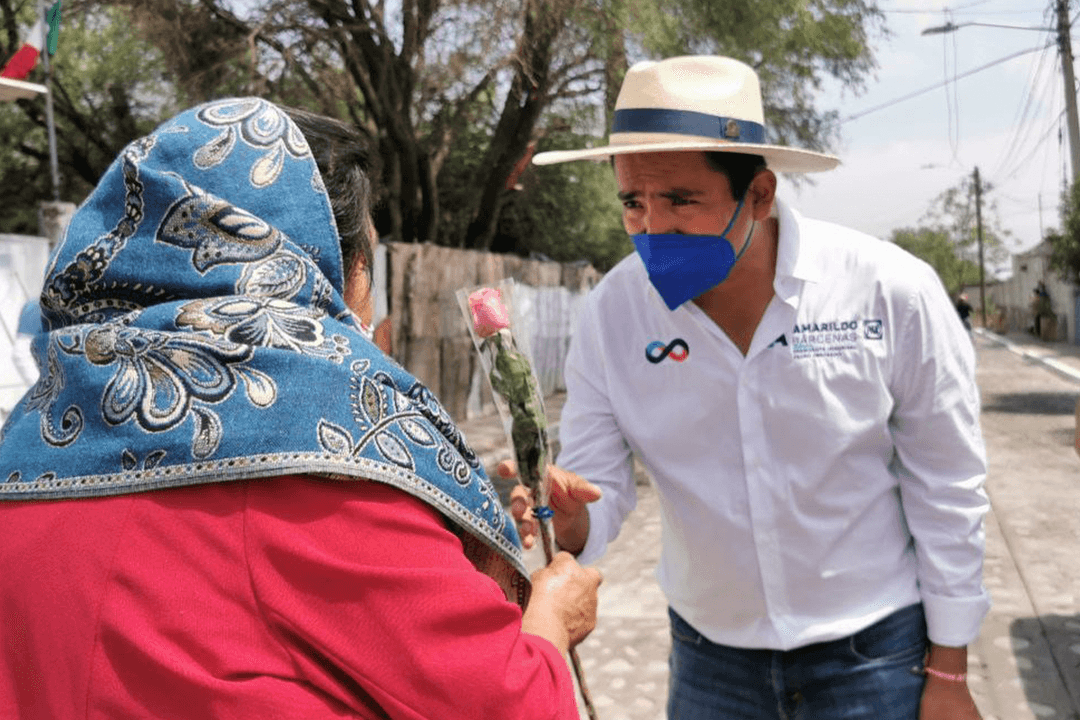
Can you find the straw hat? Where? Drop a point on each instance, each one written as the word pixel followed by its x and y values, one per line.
pixel 698 102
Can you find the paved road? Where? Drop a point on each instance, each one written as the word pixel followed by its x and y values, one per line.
pixel 1026 662
pixel 1028 655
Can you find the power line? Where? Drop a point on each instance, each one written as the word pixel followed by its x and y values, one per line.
pixel 961 10
pixel 935 86
pixel 909 11
pixel 1021 123
pixel 1053 126
pixel 952 99
pixel 956 97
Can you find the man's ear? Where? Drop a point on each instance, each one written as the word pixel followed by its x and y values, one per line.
pixel 762 194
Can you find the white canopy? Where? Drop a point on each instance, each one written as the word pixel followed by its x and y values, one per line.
pixel 11 90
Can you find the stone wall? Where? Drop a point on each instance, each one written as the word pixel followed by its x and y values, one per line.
pixel 430 337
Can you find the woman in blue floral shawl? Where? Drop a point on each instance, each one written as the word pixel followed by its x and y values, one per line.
pixel 221 499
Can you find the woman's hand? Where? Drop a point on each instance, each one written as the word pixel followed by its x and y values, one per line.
pixel 562 608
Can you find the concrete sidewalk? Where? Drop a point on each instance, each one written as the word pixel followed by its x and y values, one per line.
pixel 625 657
pixel 1026 663
pixel 1060 358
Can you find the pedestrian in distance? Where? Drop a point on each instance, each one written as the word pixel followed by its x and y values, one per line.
pixel 221 499
pixel 1042 310
pixel 963 309
pixel 805 402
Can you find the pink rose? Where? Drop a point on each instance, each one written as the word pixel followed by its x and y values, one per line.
pixel 489 315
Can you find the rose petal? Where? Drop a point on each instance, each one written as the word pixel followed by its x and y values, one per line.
pixel 488 312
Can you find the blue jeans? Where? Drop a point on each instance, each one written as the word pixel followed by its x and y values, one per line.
pixel 875 674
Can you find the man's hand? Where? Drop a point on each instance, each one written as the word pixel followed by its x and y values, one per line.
pixel 568 497
pixel 562 608
pixel 945 699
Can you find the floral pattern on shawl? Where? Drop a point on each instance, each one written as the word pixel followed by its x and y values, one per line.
pixel 260 125
pixel 196 332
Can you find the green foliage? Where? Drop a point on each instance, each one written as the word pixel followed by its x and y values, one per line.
pixel 205 56
pixel 948 237
pixel 456 187
pixel 937 248
pixel 1065 244
pixel 795 45
pixel 955 213
pixel 450 93
pixel 566 213
pixel 24 180
pixel 569 213
pixel 109 89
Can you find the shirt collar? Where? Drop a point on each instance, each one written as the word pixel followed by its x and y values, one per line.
pixel 797 261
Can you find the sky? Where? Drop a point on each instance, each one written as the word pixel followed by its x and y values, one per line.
pixel 903 144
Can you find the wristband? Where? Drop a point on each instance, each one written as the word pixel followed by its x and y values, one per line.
pixel 951 677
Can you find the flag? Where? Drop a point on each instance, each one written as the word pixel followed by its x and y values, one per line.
pixel 54 26
pixel 25 58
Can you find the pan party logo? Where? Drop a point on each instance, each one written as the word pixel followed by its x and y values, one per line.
pixel 833 338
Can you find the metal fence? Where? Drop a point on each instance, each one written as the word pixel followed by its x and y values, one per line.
pixel 430 337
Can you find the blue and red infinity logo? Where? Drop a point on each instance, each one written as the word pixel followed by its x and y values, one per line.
pixel 677 350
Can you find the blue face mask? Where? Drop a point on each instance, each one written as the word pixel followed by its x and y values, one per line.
pixel 681 267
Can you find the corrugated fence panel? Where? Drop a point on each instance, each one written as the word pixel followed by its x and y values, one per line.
pixel 431 339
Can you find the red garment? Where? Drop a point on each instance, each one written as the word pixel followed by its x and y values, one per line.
pixel 282 598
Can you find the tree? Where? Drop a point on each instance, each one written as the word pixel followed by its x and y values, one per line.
pixel 937 248
pixel 582 200
pixel 416 78
pixel 954 214
pixel 108 89
pixel 948 240
pixel 455 93
pixel 794 45
pixel 1065 244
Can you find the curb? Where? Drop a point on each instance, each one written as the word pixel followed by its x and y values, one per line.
pixel 1053 364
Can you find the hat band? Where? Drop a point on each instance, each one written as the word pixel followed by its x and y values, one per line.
pixel 687 122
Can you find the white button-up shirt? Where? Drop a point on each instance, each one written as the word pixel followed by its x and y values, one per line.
pixel 829 477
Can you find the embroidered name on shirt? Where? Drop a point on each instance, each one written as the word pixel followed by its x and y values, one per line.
pixel 833 338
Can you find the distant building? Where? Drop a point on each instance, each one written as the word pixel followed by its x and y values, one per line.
pixel 1014 296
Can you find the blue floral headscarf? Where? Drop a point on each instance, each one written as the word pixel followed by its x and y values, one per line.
pixel 196 332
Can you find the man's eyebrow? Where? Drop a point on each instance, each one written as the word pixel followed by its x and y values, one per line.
pixel 680 193
pixel 672 193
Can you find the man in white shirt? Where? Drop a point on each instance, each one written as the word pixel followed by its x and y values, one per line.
pixel 803 396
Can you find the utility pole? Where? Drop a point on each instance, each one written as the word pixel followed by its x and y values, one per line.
pixel 979 235
pixel 1065 47
pixel 49 121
